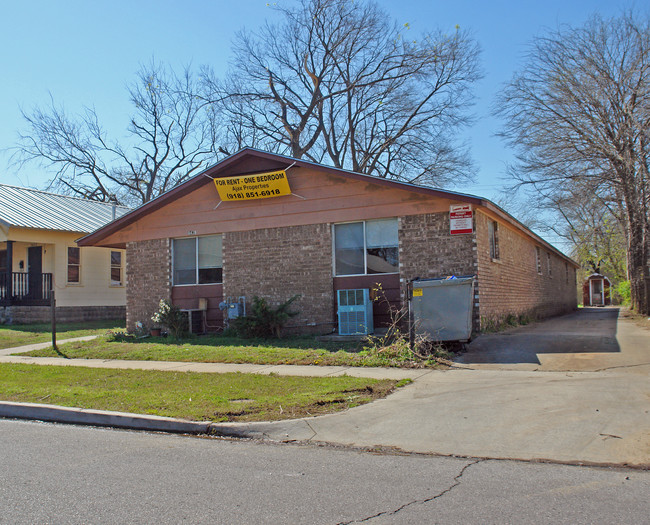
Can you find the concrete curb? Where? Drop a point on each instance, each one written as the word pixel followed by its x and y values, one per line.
pixel 300 429
pixel 101 418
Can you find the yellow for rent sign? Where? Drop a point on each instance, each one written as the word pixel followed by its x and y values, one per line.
pixel 257 186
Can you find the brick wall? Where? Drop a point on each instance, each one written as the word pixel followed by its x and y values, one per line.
pixel 511 285
pixel 277 263
pixel 428 250
pixel 148 279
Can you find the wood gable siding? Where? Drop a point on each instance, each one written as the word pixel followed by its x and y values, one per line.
pixel 317 198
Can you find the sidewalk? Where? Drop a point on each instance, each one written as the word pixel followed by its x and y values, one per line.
pixel 38 346
pixel 215 368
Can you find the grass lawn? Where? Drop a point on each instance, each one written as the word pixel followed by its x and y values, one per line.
pixel 223 349
pixel 26 334
pixel 188 395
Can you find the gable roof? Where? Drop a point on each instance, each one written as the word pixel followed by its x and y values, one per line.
pixel 29 208
pixel 598 276
pixel 235 165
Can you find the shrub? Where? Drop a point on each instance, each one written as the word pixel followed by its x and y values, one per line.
pixel 264 321
pixel 503 322
pixel 172 318
pixel 623 292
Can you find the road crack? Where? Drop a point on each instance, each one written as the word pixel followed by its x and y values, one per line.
pixel 312 429
pixel 456 481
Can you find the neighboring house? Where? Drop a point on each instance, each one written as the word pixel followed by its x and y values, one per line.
pixel 39 253
pixel 330 230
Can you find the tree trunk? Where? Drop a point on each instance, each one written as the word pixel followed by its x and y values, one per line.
pixel 638 266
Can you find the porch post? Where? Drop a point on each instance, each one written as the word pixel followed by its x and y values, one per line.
pixel 10 269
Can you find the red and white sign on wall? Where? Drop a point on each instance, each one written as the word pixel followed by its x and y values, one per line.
pixel 460 219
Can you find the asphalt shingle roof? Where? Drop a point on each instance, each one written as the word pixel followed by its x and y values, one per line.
pixel 28 208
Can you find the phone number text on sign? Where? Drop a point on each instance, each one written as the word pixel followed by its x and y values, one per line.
pixel 460 219
pixel 259 186
pixel 253 195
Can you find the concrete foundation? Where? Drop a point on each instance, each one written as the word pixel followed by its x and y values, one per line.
pixel 64 314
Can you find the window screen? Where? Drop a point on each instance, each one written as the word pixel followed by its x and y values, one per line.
pixel 349 246
pixel 74 265
pixel 210 258
pixel 184 261
pixel 382 247
pixel 493 229
pixel 116 268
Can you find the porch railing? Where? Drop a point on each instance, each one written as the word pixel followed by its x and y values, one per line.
pixel 26 289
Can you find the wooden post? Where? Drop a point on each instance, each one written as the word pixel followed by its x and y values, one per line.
pixel 10 268
pixel 53 312
pixel 409 294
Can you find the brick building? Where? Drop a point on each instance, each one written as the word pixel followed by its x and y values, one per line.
pixel 332 230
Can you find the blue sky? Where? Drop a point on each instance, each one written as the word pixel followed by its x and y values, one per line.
pixel 85 52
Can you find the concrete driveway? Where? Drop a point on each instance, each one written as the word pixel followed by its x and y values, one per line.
pixel 511 401
pixel 590 339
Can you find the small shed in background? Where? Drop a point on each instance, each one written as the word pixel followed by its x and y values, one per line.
pixel 596 291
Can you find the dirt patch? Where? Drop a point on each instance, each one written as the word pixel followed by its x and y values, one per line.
pixel 640 320
pixel 350 398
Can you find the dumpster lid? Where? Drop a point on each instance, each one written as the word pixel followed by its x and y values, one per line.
pixel 443 281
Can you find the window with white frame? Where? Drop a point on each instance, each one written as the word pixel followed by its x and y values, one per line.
pixel 366 247
pixel 538 258
pixel 493 229
pixel 197 260
pixel 116 268
pixel 74 265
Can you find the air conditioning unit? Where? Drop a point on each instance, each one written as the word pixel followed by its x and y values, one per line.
pixel 355 312
pixel 195 321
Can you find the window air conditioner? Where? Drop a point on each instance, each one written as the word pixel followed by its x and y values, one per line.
pixel 355 312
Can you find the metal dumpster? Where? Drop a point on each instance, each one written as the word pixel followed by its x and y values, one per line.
pixel 441 309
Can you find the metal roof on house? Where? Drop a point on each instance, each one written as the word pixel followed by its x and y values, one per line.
pixel 29 208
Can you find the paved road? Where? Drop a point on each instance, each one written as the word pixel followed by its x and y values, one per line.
pixel 66 474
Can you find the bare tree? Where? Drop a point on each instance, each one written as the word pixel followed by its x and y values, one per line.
pixel 340 82
pixel 579 115
pixel 595 229
pixel 170 136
